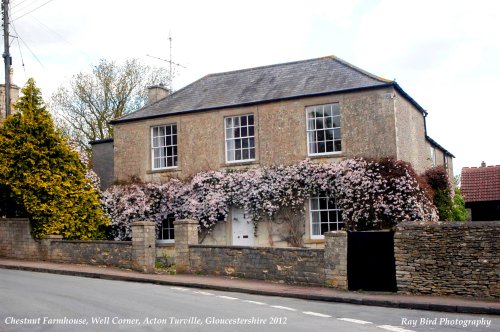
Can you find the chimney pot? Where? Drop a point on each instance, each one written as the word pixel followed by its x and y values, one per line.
pixel 483 164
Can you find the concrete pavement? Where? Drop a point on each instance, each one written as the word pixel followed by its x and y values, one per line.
pixel 434 303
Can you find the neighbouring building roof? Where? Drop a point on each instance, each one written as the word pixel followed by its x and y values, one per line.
pixel 101 141
pixel 481 184
pixel 264 84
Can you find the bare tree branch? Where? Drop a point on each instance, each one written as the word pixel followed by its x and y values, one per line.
pixel 85 105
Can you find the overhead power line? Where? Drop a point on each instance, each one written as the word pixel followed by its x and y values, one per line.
pixel 22 8
pixel 31 11
pixel 19 47
pixel 61 38
pixel 32 53
pixel 18 4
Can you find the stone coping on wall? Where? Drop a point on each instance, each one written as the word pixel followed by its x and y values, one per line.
pixel 143 223
pixel 447 224
pixel 185 222
pixel 94 242
pixel 254 247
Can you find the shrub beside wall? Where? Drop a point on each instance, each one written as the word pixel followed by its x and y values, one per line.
pixel 44 176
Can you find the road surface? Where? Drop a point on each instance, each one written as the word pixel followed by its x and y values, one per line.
pixel 31 301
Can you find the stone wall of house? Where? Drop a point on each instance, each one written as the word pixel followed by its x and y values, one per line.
pixel 17 242
pixel 289 265
pixel 410 134
pixel 367 121
pixel 410 137
pixel 267 233
pixel 448 258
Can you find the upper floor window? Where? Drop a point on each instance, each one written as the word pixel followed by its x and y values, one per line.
pixel 164 146
pixel 323 129
pixel 325 216
pixel 240 138
pixel 433 156
pixel 166 230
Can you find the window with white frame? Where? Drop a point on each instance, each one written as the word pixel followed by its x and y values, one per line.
pixel 240 138
pixel 164 146
pixel 324 216
pixel 433 156
pixel 323 129
pixel 166 230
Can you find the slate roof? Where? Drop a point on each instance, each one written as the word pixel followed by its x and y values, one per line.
pixel 263 84
pixel 435 144
pixel 481 184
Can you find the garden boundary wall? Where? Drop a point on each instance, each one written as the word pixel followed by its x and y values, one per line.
pixel 448 258
pixel 17 242
pixel 326 267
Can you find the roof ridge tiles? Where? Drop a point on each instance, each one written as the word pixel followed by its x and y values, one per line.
pixel 260 67
pixel 362 71
pixel 480 167
pixel 328 57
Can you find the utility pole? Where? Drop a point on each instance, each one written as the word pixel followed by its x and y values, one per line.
pixel 6 55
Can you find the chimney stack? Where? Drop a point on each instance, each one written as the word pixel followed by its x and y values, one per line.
pixel 483 164
pixel 157 92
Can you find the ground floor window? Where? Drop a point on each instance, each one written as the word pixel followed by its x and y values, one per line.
pixel 166 230
pixel 324 216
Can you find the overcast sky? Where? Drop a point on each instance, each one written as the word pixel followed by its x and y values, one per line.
pixel 445 54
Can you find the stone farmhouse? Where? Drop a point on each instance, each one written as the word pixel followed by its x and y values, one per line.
pixel 324 109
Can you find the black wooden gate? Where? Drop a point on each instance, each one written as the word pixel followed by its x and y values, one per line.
pixel 370 261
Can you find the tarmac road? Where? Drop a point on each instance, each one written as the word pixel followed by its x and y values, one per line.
pixel 31 301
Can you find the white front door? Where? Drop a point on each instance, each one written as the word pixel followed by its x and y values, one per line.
pixel 242 228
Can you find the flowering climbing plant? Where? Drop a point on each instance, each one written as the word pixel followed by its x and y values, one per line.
pixel 84 157
pixel 372 194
